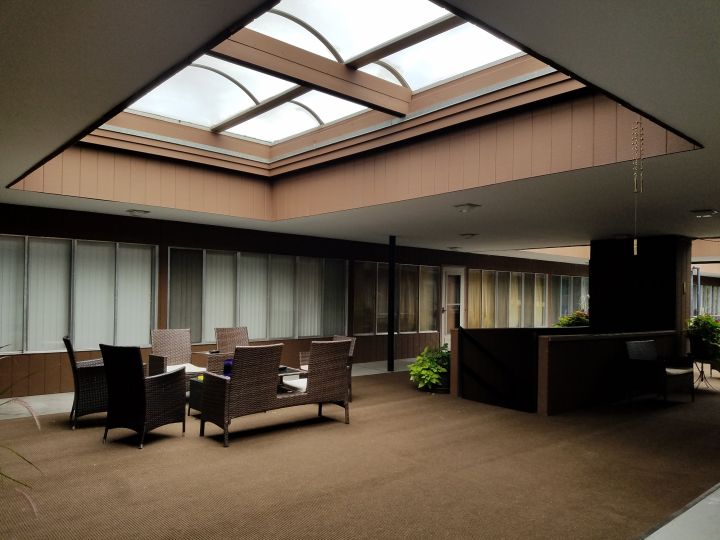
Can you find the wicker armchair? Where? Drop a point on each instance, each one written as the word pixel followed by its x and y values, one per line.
pixel 251 387
pixel 138 402
pixel 90 386
pixel 305 357
pixel 171 349
pixel 226 340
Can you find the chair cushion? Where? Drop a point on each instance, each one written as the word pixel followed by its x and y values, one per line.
pixel 227 367
pixel 297 384
pixel 678 371
pixel 189 368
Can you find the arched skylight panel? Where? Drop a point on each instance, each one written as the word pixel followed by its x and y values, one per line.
pixel 196 96
pixel 449 54
pixel 355 27
pixel 290 32
pixel 261 85
pixel 277 124
pixel 380 72
pixel 329 108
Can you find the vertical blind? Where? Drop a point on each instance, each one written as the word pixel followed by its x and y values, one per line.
pixel 252 294
pixel 310 298
pixel 219 293
pixel 186 281
pixel 334 297
pixel 134 308
pixel 12 280
pixel 428 304
pixel 282 296
pixel 94 294
pixel 365 287
pixel 408 301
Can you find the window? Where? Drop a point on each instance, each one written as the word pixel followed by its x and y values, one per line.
pixel 281 280
pixel 515 300
pixel 96 292
pixel 429 281
pixel 185 291
pixel 310 297
pixel 219 293
pixel 365 288
pixel 408 298
pixel 488 298
pixel 334 297
pixel 540 308
pixel 252 294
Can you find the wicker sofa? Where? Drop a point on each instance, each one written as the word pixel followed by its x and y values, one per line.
pixel 253 384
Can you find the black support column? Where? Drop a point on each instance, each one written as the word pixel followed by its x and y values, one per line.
pixel 391 305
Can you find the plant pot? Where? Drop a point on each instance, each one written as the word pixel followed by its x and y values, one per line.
pixel 442 388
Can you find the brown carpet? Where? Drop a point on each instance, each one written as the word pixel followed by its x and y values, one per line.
pixel 410 465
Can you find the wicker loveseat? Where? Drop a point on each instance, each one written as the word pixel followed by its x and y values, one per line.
pixel 252 385
pixel 171 350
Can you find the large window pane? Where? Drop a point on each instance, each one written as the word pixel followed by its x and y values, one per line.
pixel 94 295
pixel 253 294
pixel 48 293
pixel 515 300
pixel 334 295
pixel 310 297
pixel 474 296
pixel 382 298
pixel 429 279
pixel 502 300
pixel 408 289
pixel 12 285
pixel 540 316
pixel 488 299
pixel 565 298
pixel 282 296
pixel 585 294
pixel 134 294
pixel 365 277
pixel 528 300
pixel 555 299
pixel 186 267
pixel 220 292
pixel 576 294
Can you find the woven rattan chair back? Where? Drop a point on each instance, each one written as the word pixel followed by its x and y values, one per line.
pixel 347 338
pixel 228 338
pixel 126 386
pixel 254 378
pixel 90 385
pixel 327 370
pixel 174 344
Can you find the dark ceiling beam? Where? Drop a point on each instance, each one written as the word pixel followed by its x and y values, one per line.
pixel 260 108
pixel 407 39
pixel 269 55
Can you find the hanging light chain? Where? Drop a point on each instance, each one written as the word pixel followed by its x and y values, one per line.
pixel 637 146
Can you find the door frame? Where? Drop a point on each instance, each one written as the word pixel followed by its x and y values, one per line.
pixel 451 271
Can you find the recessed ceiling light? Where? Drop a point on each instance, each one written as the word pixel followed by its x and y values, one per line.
pixel 453 248
pixel 704 213
pixel 468 235
pixel 465 208
pixel 137 212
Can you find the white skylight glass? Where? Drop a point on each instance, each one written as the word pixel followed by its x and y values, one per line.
pixel 327 107
pixel 194 95
pixel 262 86
pixel 355 27
pixel 285 30
pixel 280 123
pixel 379 71
pixel 451 53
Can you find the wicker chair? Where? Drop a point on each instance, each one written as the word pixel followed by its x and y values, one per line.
pixel 90 386
pixel 226 340
pixel 138 402
pixel 648 365
pixel 252 386
pixel 171 349
pixel 305 356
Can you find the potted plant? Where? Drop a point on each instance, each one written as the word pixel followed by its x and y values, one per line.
pixel 704 334
pixel 430 371
pixel 579 318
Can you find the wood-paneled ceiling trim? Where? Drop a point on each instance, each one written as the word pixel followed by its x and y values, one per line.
pixel 268 55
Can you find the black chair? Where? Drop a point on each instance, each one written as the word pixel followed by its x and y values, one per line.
pixel 648 367
pixel 90 385
pixel 138 402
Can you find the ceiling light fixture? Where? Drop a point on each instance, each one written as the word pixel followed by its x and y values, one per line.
pixel 137 212
pixel 453 248
pixel 468 235
pixel 704 213
pixel 465 208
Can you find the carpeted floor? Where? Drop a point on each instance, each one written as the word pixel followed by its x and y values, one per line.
pixel 409 465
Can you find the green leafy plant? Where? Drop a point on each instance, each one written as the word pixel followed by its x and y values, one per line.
pixel 704 334
pixel 579 318
pixel 428 368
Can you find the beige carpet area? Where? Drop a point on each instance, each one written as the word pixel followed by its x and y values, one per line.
pixel 409 465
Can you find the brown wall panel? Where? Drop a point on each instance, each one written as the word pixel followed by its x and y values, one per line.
pixel 20 375
pixel 106 175
pixel 53 371
pixel 6 376
pixel 36 374
pixel 522 145
pixel 138 180
pixel 625 122
pixel 677 144
pixel 654 139
pixel 71 171
pixel 583 131
pixel 541 141
pixel 88 172
pixel 561 133
pixel 121 185
pixel 604 131
pixel 488 154
pixel 504 151
pixel 153 189
pixel 469 149
pixel 34 181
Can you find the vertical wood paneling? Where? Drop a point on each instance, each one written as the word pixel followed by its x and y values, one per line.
pixel 414 171
pixel 88 172
pixel 66 379
pixel 541 142
pixel 238 199
pixel 20 373
pixel 380 179
pixel 625 122
pixel 604 131
pixel 442 163
pixel 392 175
pixel 121 190
pixel 655 139
pixel 582 133
pixel 71 171
pixel 182 187
pixel 677 144
pixel 106 175
pixel 138 180
pixel 561 130
pixel 52 175
pixel 53 371
pixel 6 376
pixel 153 190
pixel 504 151
pixel 197 190
pixel 404 172
pixel 223 194
pixel 470 149
pixel 209 190
pixel 522 145
pixel 486 156
pixel 455 165
pixel 367 181
pixel 167 185
pixel 19 185
pixel 36 374
pixel 35 180
pixel 427 170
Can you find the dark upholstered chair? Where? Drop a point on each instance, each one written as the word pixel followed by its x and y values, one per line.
pixel 90 386
pixel 647 363
pixel 305 357
pixel 138 402
pixel 171 349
